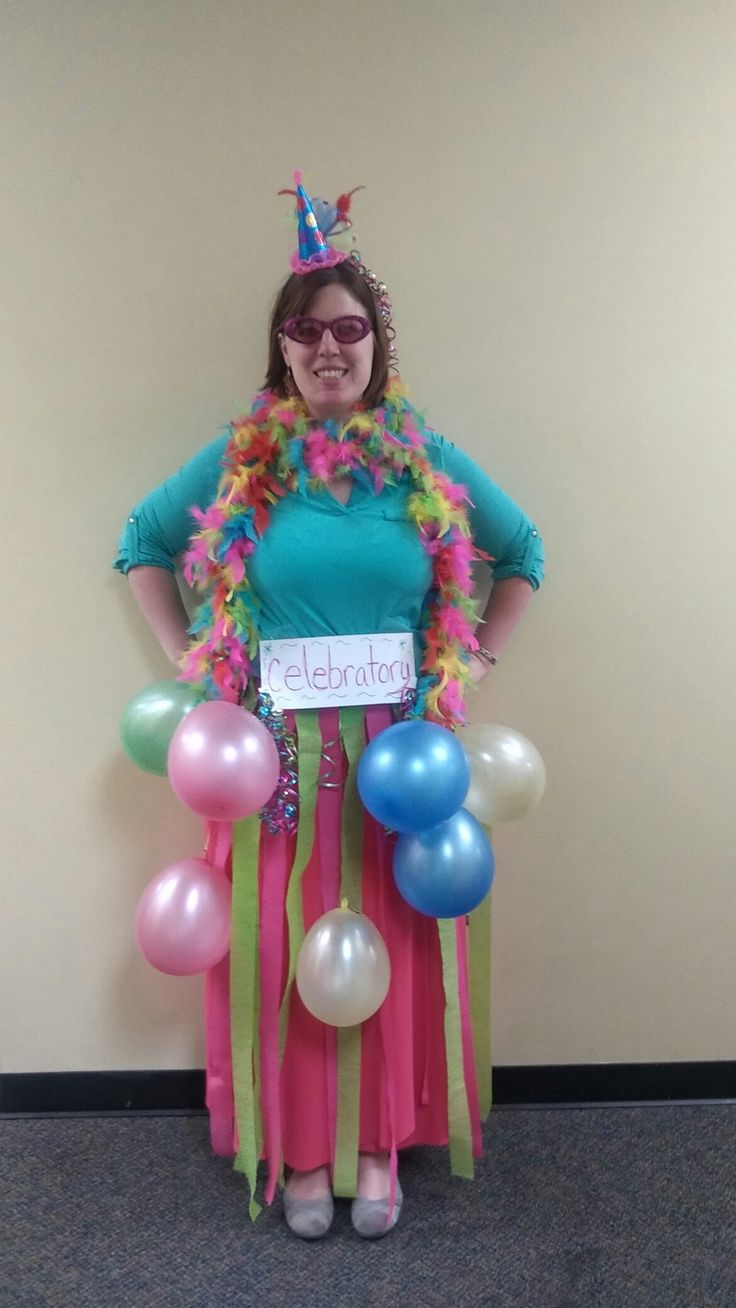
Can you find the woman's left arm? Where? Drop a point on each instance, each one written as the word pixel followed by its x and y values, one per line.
pixel 502 529
pixel 502 614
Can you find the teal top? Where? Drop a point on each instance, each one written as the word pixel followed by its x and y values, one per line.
pixel 324 568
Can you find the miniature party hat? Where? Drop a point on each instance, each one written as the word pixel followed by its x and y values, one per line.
pixel 313 252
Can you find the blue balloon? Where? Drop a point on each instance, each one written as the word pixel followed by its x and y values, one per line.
pixel 413 776
pixel 447 871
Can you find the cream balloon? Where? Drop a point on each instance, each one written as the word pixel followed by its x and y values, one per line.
pixel 343 969
pixel 507 773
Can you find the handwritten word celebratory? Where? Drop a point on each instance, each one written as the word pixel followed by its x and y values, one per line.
pixel 316 672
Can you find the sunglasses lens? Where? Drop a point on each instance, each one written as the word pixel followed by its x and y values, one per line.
pixel 349 330
pixel 304 330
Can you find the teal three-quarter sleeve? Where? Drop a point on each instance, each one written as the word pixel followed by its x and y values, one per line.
pixel 499 526
pixel 159 527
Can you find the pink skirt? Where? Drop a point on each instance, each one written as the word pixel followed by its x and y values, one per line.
pixel 283 1086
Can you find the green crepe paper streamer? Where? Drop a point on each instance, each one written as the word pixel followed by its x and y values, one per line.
pixel 244 1000
pixel 479 951
pixel 461 1146
pixel 352 730
pixel 345 1172
pixel 308 761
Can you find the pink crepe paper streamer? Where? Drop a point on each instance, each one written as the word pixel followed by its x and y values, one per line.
pixel 219 1074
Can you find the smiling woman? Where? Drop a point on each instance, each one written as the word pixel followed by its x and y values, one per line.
pixel 330 373
pixel 332 510
pixel 327 293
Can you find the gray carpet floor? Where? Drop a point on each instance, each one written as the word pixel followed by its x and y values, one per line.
pixel 573 1208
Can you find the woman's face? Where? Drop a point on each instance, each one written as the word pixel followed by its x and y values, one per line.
pixel 331 377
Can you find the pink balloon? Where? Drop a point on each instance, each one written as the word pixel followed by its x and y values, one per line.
pixel 223 763
pixel 182 925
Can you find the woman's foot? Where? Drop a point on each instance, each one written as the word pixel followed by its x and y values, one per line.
pixel 309 1185
pixel 370 1211
pixel 374 1176
pixel 308 1206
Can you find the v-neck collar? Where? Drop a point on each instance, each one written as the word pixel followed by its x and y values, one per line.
pixel 342 504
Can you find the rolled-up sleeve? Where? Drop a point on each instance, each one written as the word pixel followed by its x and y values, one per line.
pixel 499 526
pixel 158 528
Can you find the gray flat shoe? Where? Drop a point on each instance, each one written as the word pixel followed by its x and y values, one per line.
pixel 310 1219
pixel 370 1217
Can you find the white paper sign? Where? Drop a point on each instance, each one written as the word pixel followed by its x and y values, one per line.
pixel 322 671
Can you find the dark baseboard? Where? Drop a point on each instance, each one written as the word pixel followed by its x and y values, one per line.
pixel 573 1085
pixel 102 1092
pixel 613 1083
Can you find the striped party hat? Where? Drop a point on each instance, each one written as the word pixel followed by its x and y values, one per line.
pixel 313 252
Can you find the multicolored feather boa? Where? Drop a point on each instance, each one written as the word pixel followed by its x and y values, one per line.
pixel 276 450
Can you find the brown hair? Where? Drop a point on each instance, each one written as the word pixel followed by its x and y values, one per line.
pixel 294 298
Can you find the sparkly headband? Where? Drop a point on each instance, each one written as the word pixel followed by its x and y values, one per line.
pixel 317 219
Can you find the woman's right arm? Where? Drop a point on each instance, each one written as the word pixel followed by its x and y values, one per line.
pixel 156 533
pixel 157 595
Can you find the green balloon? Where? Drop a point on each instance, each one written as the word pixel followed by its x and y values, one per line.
pixel 150 720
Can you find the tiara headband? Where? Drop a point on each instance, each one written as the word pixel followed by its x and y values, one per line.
pixel 317 219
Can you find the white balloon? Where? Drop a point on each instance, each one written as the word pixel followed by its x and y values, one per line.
pixel 507 773
pixel 343 969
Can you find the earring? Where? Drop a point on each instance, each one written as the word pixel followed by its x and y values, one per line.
pixel 289 383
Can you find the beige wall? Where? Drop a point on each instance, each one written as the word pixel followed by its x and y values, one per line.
pixel 551 197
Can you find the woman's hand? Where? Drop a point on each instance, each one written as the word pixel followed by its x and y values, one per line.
pixel 478 668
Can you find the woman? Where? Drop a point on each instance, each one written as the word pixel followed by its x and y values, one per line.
pixel 338 513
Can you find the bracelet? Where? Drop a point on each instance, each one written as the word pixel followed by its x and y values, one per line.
pixel 486 655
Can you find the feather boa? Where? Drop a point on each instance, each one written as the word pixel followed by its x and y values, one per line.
pixel 277 449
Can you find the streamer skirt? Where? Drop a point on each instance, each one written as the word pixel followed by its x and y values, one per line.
pixel 305 1094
